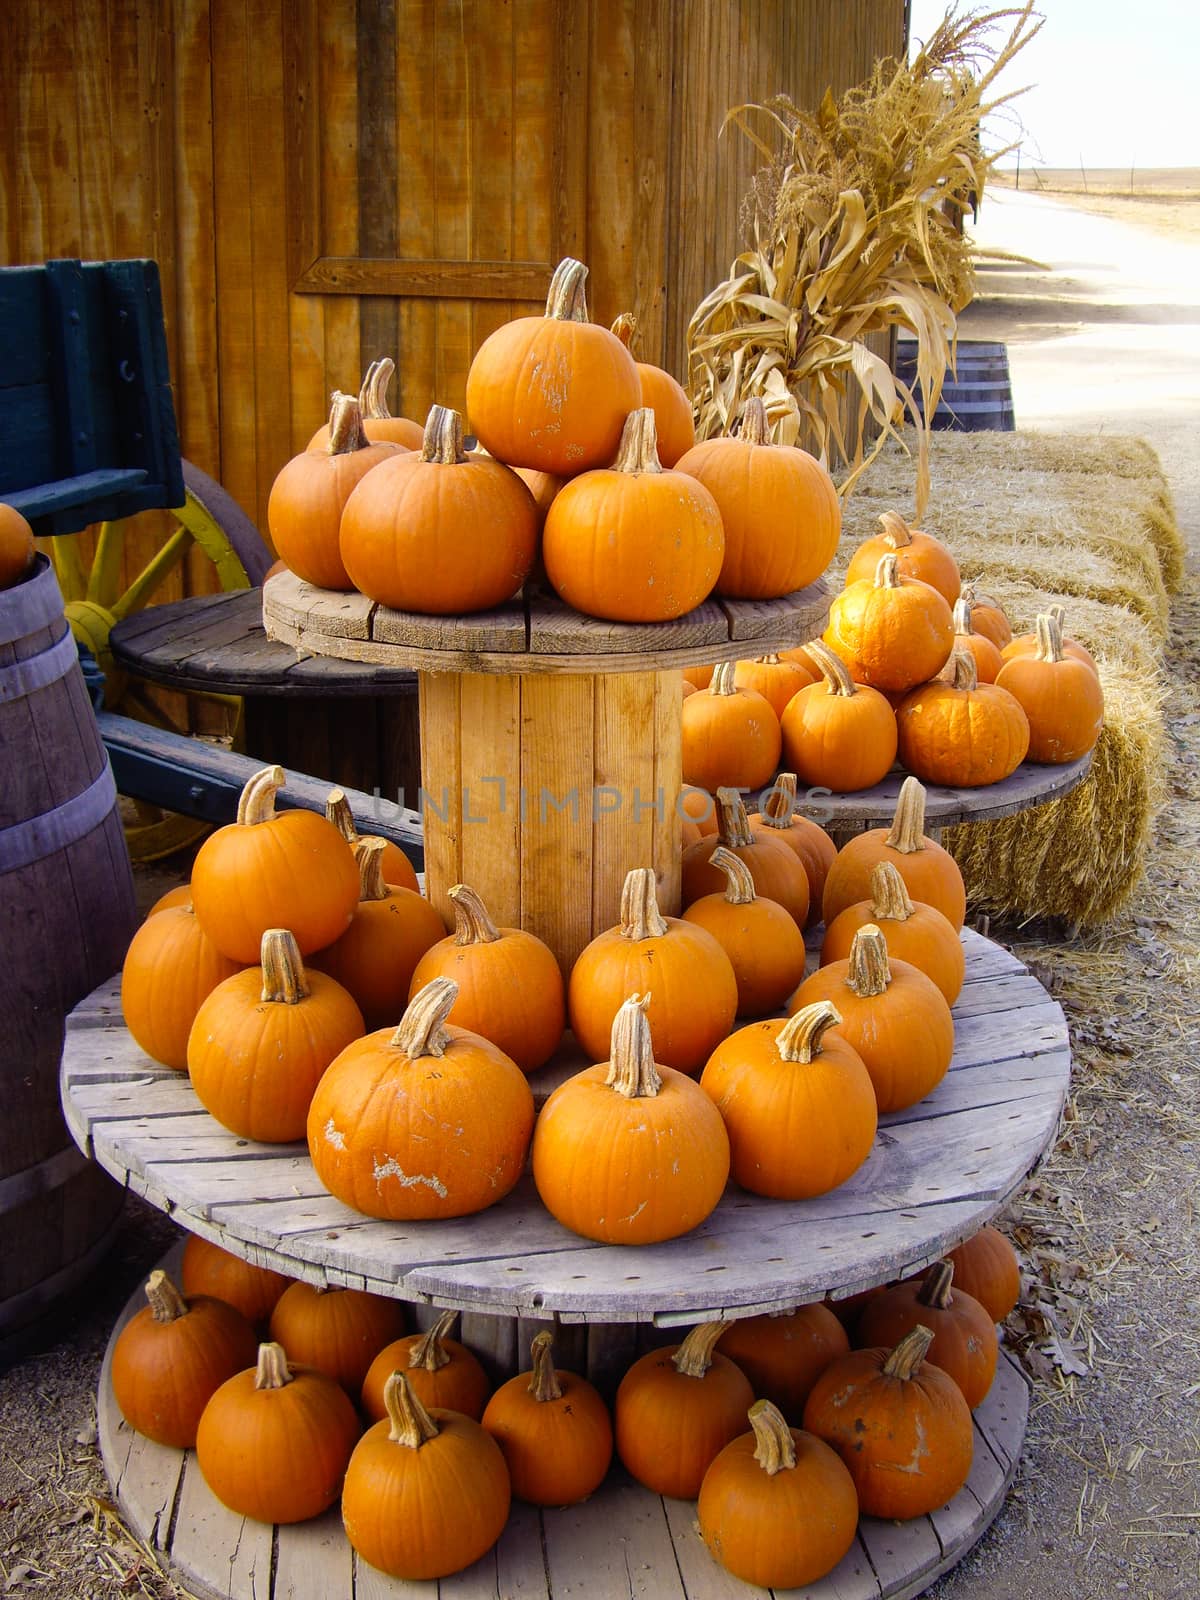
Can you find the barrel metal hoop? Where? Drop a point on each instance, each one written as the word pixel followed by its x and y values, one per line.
pixel 23 678
pixel 41 836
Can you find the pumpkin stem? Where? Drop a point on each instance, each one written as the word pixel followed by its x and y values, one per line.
pixel 256 803
pixel 733 827
pixel 721 681
pixel 756 428
pixel 739 888
pixel 472 925
pixel 543 1380
pixel 411 1424
pixel 166 1302
pixel 640 916
pixel 368 858
pixel 909 1353
pixel 778 805
pixel 272 1371
pixel 1049 637
pixel 284 980
pixel 429 1353
pixel 962 615
pixel 869 971
pixel 1059 613
pixel 896 531
pixel 422 1031
pixel 372 397
pixel 346 432
pixel 962 671
pixel 625 327
pixel 887 573
pixel 337 811
pixel 935 1286
pixel 567 300
pixel 889 894
pixel 833 669
pixel 908 823
pixel 443 438
pixel 694 1356
pixel 631 1066
pixel 638 450
pixel 800 1037
pixel 774 1447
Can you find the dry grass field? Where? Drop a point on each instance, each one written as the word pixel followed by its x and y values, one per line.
pixel 1164 199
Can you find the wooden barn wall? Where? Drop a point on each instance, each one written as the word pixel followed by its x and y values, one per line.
pixel 324 183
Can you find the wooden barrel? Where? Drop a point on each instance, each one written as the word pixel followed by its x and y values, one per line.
pixel 67 911
pixel 976 397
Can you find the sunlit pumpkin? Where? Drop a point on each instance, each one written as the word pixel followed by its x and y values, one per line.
pixel 665 395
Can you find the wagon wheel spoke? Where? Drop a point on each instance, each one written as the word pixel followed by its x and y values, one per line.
pixel 160 566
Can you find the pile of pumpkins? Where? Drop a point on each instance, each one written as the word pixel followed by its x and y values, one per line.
pixel 587 471
pixel 911 665
pixel 798 1424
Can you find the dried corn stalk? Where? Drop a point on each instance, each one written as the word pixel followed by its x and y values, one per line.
pixel 849 236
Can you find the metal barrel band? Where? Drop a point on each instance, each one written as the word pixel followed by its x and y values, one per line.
pixel 41 836
pixel 23 678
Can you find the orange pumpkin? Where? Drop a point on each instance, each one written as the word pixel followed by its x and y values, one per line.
pixel 553 1429
pixel 510 988
pixel 441 1371
pixel 17 548
pixel 894 1016
pixel 777 1507
pixel 628 1151
pixel 686 976
pixel 442 532
pixel 779 507
pixel 776 869
pixel 426 1121
pixel 986 1267
pixel 699 676
pixel 918 555
pixel 987 656
pixel 378 423
pixel 397 868
pixel 893 632
pixel 1026 644
pixel 837 734
pixel 730 736
pixel 208 1269
pixel 1060 695
pixel 762 940
pixel 304 510
pixel 783 1353
pixel 666 397
pixel 698 806
pixel 779 819
pixel 335 1331
pixel 987 617
pixel 899 1423
pixel 180 895
pixel 170 969
pixel 553 392
pixel 543 486
pixel 633 542
pixel 775 678
pixel 676 1409
pixel 916 933
pixel 964 1334
pixel 930 873
pixel 797 1102
pixel 960 732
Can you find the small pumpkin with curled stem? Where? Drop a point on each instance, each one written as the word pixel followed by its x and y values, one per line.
pixel 776 869
pixel 397 868
pixel 1059 693
pixel 442 1372
pixel 335 1330
pixel 783 1353
pixel 960 732
pixel 892 631
pixel 779 818
pixel 918 555
pixel 665 395
pixel 777 1507
pixel 838 734
pixel 930 872
pixel 554 1430
pixel 914 932
pixel 630 1151
pixel 964 1332
pixel 797 1102
pixel 762 940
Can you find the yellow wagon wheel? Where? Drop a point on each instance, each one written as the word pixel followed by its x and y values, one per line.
pixel 96 600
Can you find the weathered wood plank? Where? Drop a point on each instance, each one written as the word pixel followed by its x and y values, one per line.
pixel 556 628
pixel 700 1574
pixel 371 1584
pixel 622 1554
pixel 313 1560
pixel 899 1550
pixel 233 1552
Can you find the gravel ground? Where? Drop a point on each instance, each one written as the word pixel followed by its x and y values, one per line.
pixel 1106 1501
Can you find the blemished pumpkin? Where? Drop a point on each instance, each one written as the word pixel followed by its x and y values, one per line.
pixel 779 507
pixel 987 656
pixel 1026 644
pixel 797 1102
pixel 783 1353
pixel 443 532
pixel 389 933
pixel 986 1267
pixel 676 1409
pixel 777 1507
pixel 1060 695
pixel 762 940
pixel 899 1423
pixel 170 969
pixel 686 976
pixel 774 678
pixel 441 1371
pixel 427 1120
pixel 172 1356
pixel 378 423
pixel 208 1269
pixel 893 632
pixel 553 1429
pixel 895 1017
pixel 274 1440
pixel 917 933
pixel 838 734
pixel 666 397
pixel 960 732
pixel 988 617
pixel 287 869
pixel 335 1331
pixel 262 1040
pixel 633 541
pixel 918 555
pixel 775 867
pixel 510 987
pixel 553 392
pixel 964 1334
pixel 779 819
pixel 17 548
pixel 729 735
pixel 630 1151
pixel 427 1491
pixel 397 868
pixel 930 873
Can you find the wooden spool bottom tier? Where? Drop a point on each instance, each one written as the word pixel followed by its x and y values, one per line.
pixel 622 1541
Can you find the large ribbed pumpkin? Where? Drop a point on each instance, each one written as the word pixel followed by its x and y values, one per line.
pixel 893 632
pixel 665 396
pixel 960 732
pixel 553 392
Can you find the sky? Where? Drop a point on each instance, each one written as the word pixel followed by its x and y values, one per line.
pixel 1114 83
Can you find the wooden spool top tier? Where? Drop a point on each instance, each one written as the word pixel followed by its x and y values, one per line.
pixel 536 633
